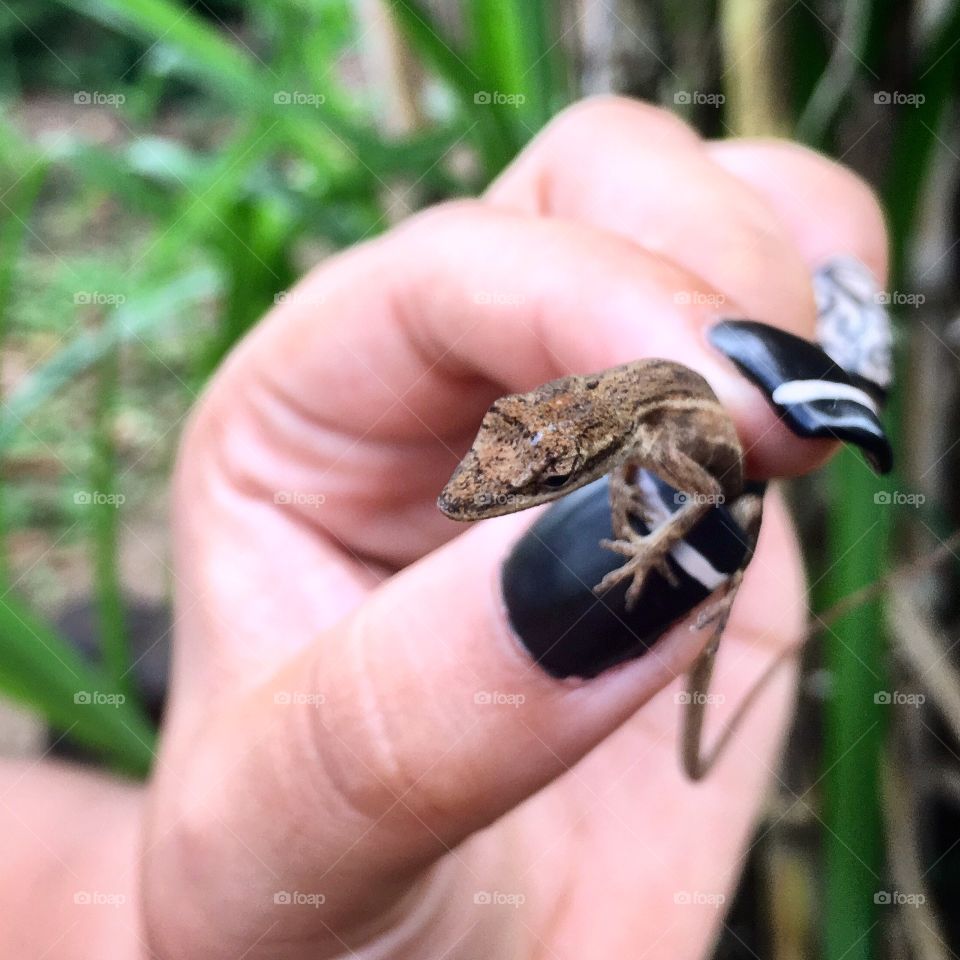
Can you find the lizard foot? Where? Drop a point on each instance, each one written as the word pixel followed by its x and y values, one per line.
pixel 644 554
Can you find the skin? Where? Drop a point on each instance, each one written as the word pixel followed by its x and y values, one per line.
pixel 399 796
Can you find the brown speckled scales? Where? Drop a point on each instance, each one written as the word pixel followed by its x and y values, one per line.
pixel 537 446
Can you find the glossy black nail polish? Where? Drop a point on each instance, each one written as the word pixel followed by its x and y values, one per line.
pixel 813 395
pixel 548 581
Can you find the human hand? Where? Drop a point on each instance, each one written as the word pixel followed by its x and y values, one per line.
pixel 325 735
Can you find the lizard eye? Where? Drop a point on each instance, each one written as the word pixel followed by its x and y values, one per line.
pixel 556 481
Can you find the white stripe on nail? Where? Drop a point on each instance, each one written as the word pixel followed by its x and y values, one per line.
pixel 809 391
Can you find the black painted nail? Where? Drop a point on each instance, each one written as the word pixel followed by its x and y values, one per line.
pixel 548 581
pixel 813 395
pixel 853 325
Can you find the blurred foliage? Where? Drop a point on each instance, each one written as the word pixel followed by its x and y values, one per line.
pixel 192 160
pixel 167 170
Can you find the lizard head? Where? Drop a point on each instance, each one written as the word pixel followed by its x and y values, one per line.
pixel 531 448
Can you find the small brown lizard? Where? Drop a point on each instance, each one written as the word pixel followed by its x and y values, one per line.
pixel 536 447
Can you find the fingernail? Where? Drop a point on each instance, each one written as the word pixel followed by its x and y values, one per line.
pixel 853 325
pixel 813 395
pixel 548 581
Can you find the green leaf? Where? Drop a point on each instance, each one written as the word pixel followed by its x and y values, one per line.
pixel 494 137
pixel 515 47
pixel 42 671
pixel 836 82
pixel 252 86
pixel 854 722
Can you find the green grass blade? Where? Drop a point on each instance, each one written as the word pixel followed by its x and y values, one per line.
pixel 515 46
pixel 834 85
pixel 495 139
pixel 212 57
pixel 854 722
pixel 546 73
pixel 439 52
pixel 40 670
pixel 253 250
pixel 862 542
pixel 499 48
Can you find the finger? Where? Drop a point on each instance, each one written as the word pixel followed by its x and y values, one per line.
pixel 401 731
pixel 641 825
pixel 468 304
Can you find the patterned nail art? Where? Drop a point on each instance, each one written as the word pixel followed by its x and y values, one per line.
pixel 853 325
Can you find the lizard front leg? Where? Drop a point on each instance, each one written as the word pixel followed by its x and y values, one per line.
pixel 646 552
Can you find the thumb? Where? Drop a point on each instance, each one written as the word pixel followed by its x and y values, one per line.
pixel 421 718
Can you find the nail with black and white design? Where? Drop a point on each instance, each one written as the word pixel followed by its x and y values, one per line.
pixel 853 325
pixel 814 396
pixel 549 576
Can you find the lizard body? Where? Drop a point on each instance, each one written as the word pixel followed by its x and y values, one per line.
pixel 652 414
